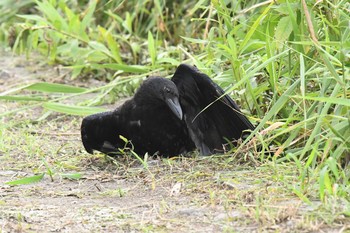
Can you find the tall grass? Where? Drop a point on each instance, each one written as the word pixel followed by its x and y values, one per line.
pixel 287 64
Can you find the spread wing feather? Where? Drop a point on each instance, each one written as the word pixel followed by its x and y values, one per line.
pixel 211 120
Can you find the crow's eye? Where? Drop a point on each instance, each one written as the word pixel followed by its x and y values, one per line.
pixel 167 90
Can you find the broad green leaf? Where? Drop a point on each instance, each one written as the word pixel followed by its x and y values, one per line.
pixel 284 29
pixel 54 87
pixel 324 183
pixel 88 16
pixel 114 47
pixel 72 110
pixel 52 14
pixel 70 14
pixel 127 23
pixel 254 27
pixel 232 47
pixel 282 8
pixel 296 27
pixel 332 163
pixel 26 180
pixel 75 25
pixel 100 47
pixel 33 17
pixel 312 156
pixel 159 8
pixel 112 44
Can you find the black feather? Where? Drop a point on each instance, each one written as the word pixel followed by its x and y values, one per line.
pixel 211 121
pixel 155 122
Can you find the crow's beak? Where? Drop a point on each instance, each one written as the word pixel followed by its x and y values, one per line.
pixel 175 107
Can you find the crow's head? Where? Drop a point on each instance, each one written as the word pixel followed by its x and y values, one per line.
pixel 160 89
pixel 97 133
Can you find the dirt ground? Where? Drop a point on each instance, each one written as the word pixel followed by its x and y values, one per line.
pixel 187 194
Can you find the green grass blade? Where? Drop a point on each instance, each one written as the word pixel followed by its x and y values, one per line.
pixel 26 180
pixel 72 176
pixel 317 128
pixel 253 70
pixel 88 17
pixel 152 48
pixel 72 110
pixel 284 29
pixel 280 103
pixel 330 100
pixel 324 183
pixel 253 28
pixel 21 98
pixel 54 87
pixel 33 17
pixel 296 28
pixel 125 68
pixel 113 46
pixel 303 84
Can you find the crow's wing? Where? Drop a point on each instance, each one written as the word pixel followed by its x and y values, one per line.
pixel 99 132
pixel 211 121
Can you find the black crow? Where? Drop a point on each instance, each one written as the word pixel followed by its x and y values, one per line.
pixel 169 117
pixel 151 120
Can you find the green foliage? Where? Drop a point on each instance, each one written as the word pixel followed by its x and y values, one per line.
pixel 285 64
